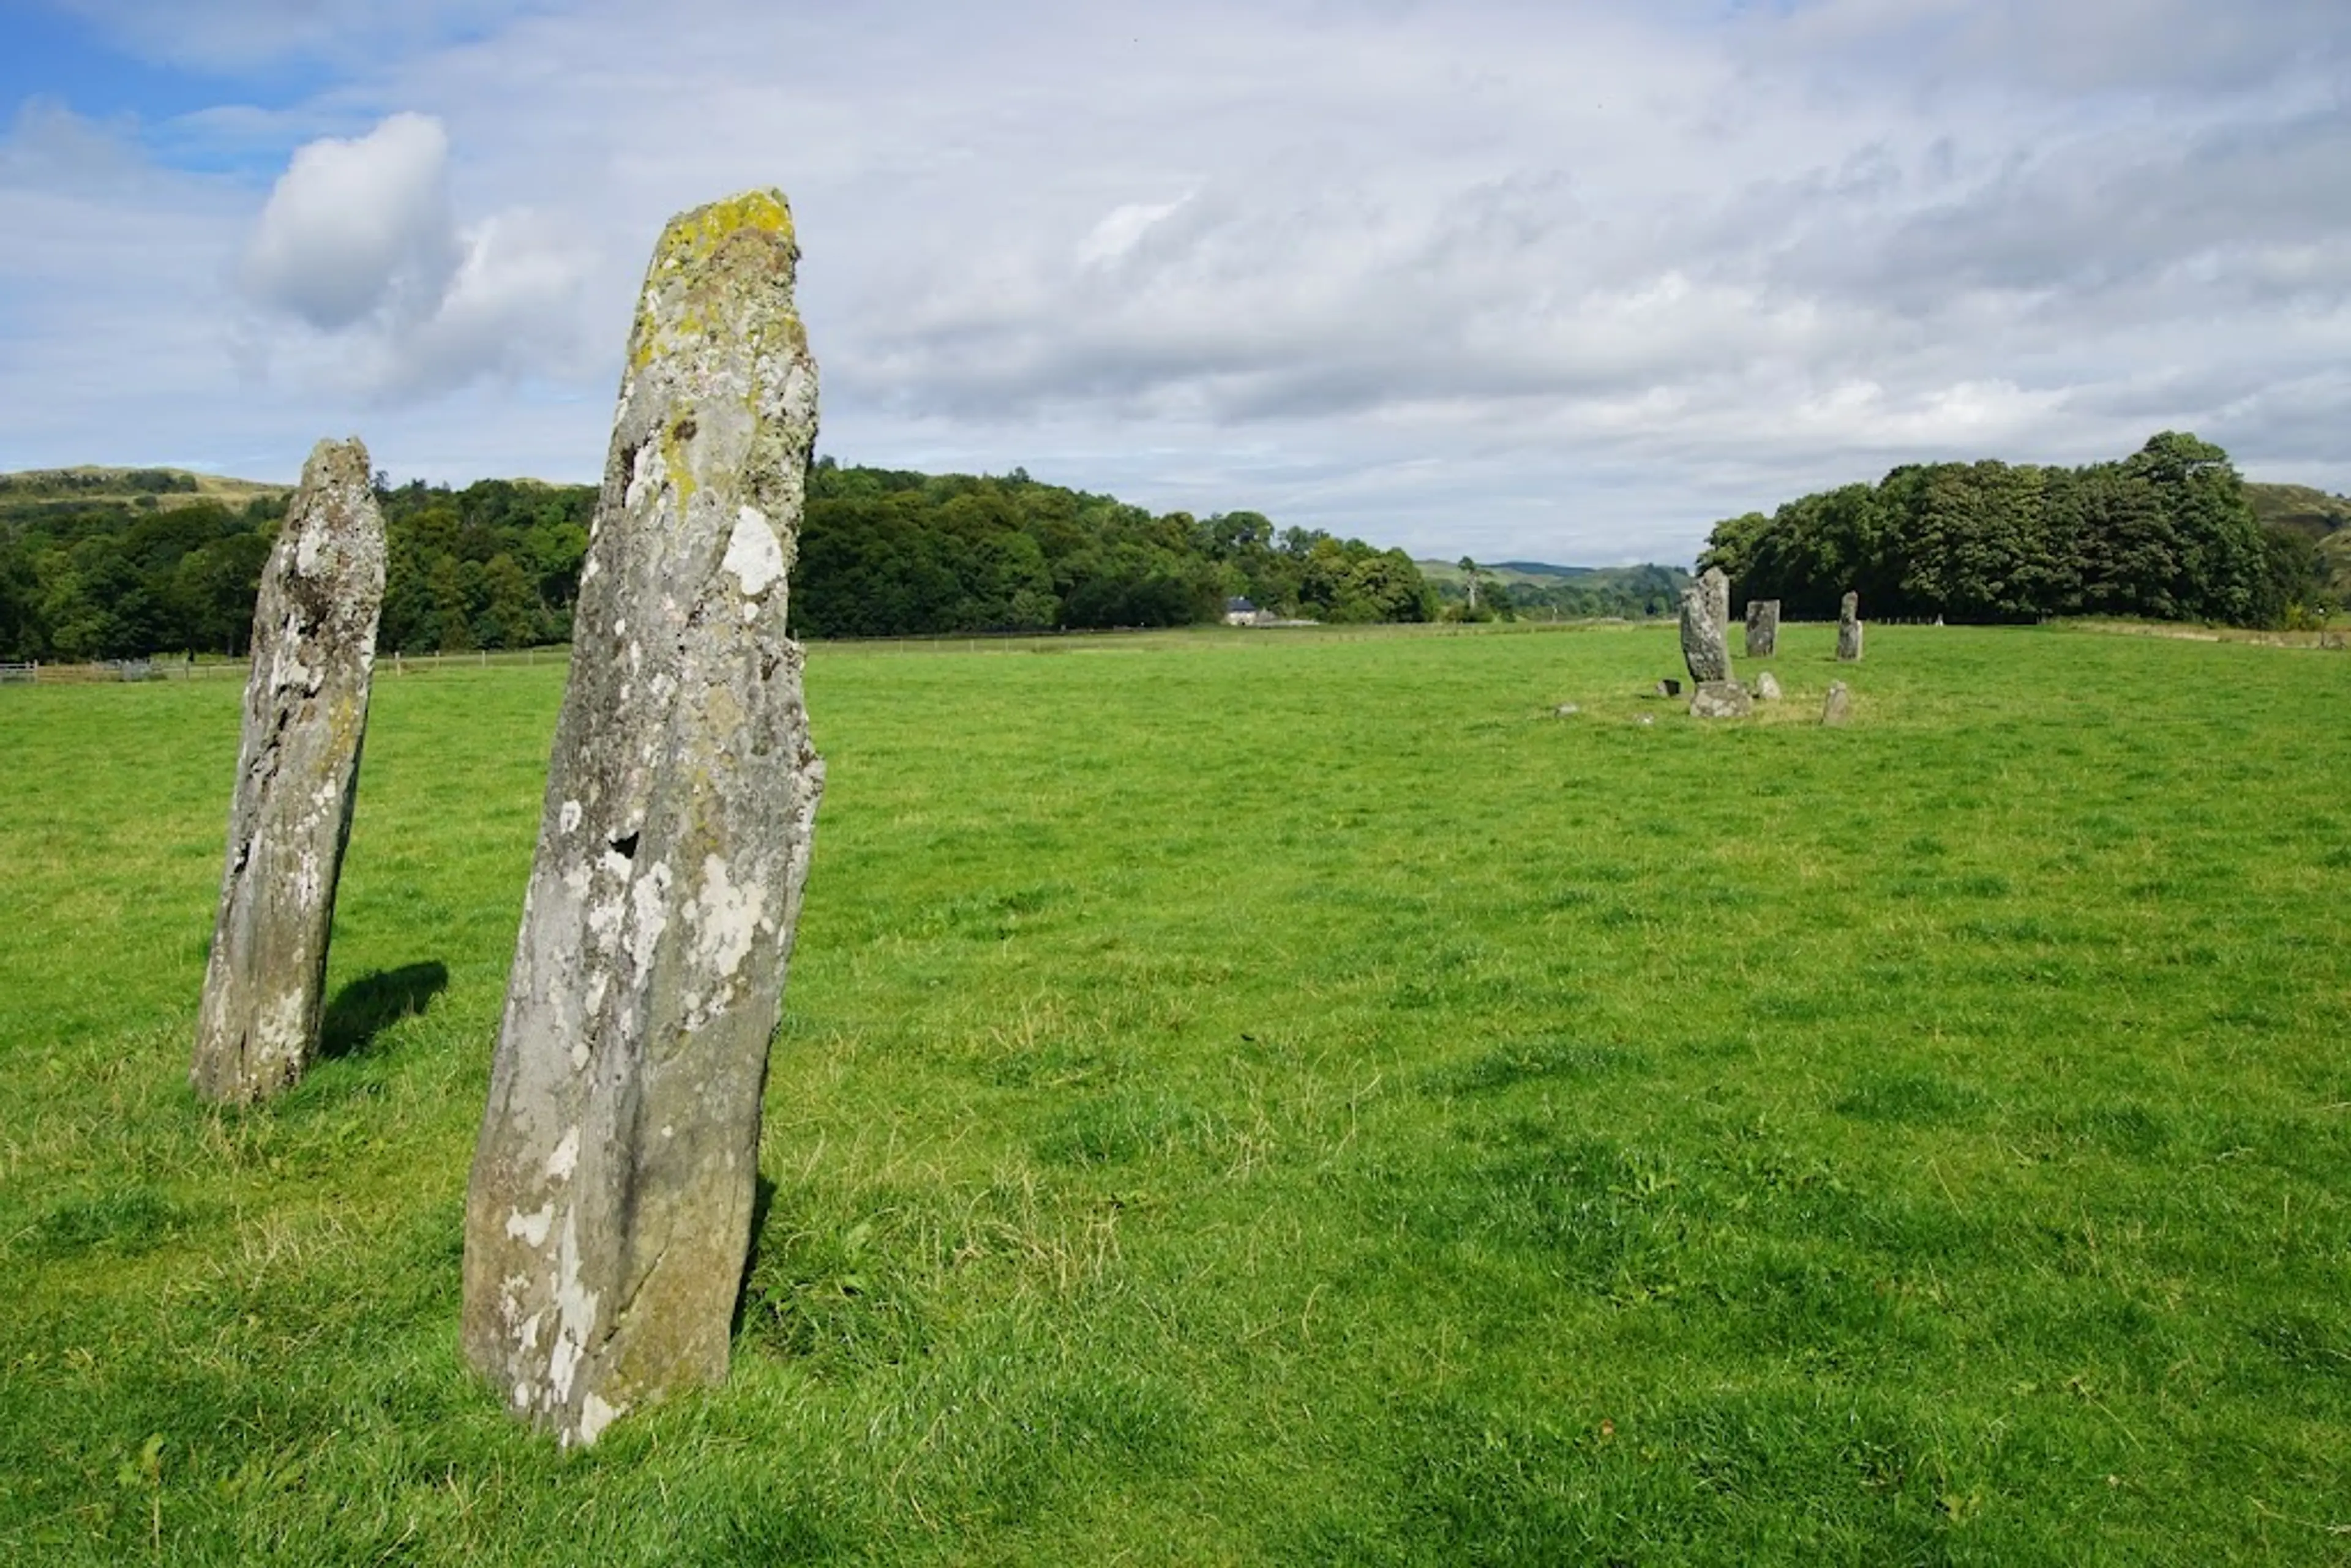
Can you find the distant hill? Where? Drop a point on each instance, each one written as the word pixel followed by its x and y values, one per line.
pixel 1540 589
pixel 2298 507
pixel 2324 519
pixel 158 486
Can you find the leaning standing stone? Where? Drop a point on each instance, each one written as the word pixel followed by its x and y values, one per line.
pixel 1763 628
pixel 1767 687
pixel 1704 648
pixel 1838 706
pixel 297 775
pixel 609 1208
pixel 1849 628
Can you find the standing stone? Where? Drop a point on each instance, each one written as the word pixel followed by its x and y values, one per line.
pixel 1763 628
pixel 1704 647
pixel 1849 628
pixel 1767 687
pixel 298 774
pixel 1838 707
pixel 1721 699
pixel 1716 583
pixel 610 1208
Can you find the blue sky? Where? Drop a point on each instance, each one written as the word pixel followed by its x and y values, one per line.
pixel 1499 277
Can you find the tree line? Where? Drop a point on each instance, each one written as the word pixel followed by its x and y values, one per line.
pixel 119 566
pixel 2166 533
pixel 885 553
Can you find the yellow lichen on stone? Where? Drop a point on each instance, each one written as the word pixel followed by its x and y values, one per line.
pixel 691 238
pixel 675 462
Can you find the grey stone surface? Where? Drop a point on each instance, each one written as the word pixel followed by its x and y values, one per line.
pixel 1566 710
pixel 297 772
pixel 1716 583
pixel 1767 687
pixel 1848 647
pixel 1763 628
pixel 1704 647
pixel 1721 699
pixel 1837 707
pixel 610 1208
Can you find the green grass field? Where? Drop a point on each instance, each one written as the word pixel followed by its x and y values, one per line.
pixel 1274 1099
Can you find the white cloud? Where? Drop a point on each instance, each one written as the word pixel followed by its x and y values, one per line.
pixel 355 229
pixel 359 242
pixel 1121 229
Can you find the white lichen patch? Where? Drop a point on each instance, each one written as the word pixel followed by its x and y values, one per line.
pixel 566 1157
pixel 605 915
pixel 530 1229
pixel 650 897
pixel 753 552
pixel 728 918
pixel 568 819
pixel 575 1307
pixel 309 885
pixel 595 1415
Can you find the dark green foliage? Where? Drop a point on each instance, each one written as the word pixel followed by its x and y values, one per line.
pixel 496 565
pixel 891 554
pixel 91 567
pixel 106 578
pixel 102 574
pixel 2168 534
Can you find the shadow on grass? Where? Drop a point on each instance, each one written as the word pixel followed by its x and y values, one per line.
pixel 374 1002
pixel 763 1198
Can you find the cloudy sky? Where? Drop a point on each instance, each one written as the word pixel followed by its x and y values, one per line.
pixel 1551 279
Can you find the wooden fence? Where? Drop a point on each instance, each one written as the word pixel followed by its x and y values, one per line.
pixel 112 671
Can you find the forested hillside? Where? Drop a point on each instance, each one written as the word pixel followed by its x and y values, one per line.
pixel 106 564
pixel 111 564
pixel 1506 590
pixel 885 553
pixel 2323 519
pixel 116 563
pixel 2168 533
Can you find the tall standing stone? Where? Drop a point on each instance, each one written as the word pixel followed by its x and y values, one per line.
pixel 1763 628
pixel 1716 583
pixel 1849 628
pixel 610 1208
pixel 298 773
pixel 1704 647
